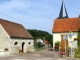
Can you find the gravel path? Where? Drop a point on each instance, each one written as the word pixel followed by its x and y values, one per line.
pixel 45 54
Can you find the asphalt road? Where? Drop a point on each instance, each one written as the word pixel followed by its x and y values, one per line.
pixel 44 54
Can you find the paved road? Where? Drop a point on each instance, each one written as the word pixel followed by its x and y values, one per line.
pixel 44 54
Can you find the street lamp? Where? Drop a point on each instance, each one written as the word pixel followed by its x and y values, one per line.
pixel 70 36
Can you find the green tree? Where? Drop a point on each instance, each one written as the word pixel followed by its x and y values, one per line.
pixel 41 34
pixel 38 45
pixel 49 38
pixel 77 51
pixel 78 37
pixel 38 33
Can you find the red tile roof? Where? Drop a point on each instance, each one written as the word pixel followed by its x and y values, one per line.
pixel 46 42
pixel 66 25
pixel 15 30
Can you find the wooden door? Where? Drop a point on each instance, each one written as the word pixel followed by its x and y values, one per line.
pixel 63 43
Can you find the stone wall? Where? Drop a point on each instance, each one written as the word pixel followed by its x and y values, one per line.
pixel 4 40
pixel 7 42
pixel 27 46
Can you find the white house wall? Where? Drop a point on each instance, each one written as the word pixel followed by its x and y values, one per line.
pixel 74 35
pixel 16 48
pixel 74 44
pixel 57 37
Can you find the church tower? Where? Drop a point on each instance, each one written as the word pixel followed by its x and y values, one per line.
pixel 63 12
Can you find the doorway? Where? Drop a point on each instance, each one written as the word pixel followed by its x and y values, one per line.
pixel 63 43
pixel 23 43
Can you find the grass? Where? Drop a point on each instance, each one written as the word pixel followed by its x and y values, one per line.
pixel 39 49
pixel 77 55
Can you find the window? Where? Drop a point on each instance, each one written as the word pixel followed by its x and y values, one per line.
pixel 16 43
pixel 29 43
pixel 64 37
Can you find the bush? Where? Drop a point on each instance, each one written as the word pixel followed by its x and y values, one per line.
pixel 39 49
pixel 38 44
pixel 78 37
pixel 57 43
pixel 77 53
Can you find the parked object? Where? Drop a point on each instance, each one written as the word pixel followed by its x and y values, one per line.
pixel 63 54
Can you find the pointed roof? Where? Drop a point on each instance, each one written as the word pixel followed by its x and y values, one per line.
pixel 79 16
pixel 15 30
pixel 63 12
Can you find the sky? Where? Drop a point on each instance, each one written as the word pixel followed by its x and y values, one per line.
pixel 37 14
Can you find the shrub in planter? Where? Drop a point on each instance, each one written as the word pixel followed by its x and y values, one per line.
pixel 57 46
pixel 57 43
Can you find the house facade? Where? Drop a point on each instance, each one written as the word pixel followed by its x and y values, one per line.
pixel 65 29
pixel 14 38
pixel 47 43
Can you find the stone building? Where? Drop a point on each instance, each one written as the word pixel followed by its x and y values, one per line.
pixel 14 38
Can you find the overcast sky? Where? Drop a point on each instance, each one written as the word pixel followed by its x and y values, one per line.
pixel 37 14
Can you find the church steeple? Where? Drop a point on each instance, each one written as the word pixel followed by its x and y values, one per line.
pixel 79 16
pixel 63 12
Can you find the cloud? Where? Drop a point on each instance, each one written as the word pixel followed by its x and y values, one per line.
pixel 40 13
pixel 32 14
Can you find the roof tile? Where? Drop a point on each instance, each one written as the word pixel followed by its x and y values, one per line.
pixel 15 30
pixel 66 25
